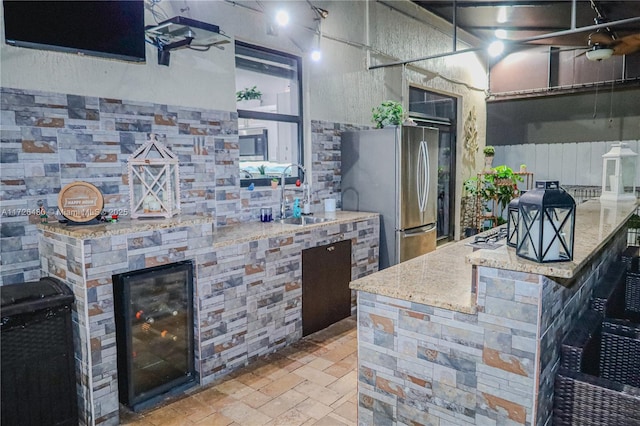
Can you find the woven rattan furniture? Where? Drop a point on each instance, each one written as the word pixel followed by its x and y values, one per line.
pixel 598 382
pixel 630 257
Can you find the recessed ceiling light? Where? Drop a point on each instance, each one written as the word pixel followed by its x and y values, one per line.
pixel 282 18
pixel 502 15
pixel 495 48
pixel 316 55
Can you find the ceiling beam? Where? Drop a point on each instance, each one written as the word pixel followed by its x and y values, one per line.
pixel 501 3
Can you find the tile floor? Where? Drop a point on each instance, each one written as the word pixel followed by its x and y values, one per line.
pixel 312 382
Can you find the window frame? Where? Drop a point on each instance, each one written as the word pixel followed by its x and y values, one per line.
pixel 276 117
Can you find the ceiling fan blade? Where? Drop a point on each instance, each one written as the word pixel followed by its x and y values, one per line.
pixel 629 44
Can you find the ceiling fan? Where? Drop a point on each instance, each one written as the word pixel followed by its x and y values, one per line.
pixel 605 43
pixel 603 46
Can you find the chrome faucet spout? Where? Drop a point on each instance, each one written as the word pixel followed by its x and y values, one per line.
pixel 283 206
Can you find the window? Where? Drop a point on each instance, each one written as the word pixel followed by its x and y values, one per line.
pixel 269 92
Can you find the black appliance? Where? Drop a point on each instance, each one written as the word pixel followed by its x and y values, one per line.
pixel 154 333
pixel 111 29
pixel 36 352
pixel 253 147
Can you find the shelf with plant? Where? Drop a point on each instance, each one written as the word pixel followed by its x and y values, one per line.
pixel 388 113
pixel 248 94
pixel 493 191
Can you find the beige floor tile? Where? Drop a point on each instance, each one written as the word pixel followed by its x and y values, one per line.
pixel 339 353
pixel 348 411
pixel 253 380
pixel 314 408
pixel 282 403
pixel 216 419
pixel 234 388
pixel 338 369
pixel 281 385
pixel 345 384
pixel 316 376
pixel 329 421
pixel 320 364
pixel 244 414
pixel 167 416
pixel 293 417
pixel 317 392
pixel 310 382
pixel 193 409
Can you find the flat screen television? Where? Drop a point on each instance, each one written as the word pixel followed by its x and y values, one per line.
pixel 109 29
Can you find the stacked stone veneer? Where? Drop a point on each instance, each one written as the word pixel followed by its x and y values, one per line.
pixel 421 364
pixel 48 140
pixel 248 297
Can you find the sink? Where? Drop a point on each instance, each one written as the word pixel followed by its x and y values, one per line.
pixel 304 220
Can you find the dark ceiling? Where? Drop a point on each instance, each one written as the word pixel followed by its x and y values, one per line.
pixel 524 19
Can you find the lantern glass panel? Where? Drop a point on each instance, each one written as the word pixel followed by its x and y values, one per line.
pixel 528 231
pixel 557 234
pixel 628 167
pixel 611 185
pixel 512 226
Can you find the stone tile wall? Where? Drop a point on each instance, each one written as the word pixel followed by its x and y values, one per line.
pixel 248 296
pixel 420 364
pixel 48 140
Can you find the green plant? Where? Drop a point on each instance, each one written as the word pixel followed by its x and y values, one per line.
pixel 262 169
pixel 388 113
pixel 634 221
pixel 489 151
pixel 248 93
pixel 504 184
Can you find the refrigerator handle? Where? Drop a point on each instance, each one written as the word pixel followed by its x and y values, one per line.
pixel 422 176
pixel 418 231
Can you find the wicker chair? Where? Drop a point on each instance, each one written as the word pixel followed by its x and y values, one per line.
pixel 598 382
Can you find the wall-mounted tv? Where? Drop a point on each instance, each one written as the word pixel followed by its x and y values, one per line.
pixel 110 29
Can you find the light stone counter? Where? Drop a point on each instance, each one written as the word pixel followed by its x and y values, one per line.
pixel 443 278
pixel 595 224
pixel 250 231
pixel 222 236
pixel 440 278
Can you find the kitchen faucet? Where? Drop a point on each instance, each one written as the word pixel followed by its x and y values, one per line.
pixel 282 183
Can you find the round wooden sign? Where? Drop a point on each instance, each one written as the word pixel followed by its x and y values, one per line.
pixel 80 202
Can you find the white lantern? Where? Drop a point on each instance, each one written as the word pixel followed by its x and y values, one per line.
pixel 619 174
pixel 154 181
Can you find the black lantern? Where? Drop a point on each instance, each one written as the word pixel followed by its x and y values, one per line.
pixel 512 221
pixel 546 223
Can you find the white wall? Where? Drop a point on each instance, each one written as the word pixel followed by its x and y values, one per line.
pixel 340 88
pixel 569 163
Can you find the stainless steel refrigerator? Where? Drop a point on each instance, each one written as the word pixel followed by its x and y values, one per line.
pixel 393 171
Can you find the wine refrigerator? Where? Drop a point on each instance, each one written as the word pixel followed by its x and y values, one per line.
pixel 154 333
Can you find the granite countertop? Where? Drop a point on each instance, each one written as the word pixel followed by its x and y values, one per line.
pixel 223 235
pixel 249 231
pixel 443 278
pixel 595 223
pixel 440 278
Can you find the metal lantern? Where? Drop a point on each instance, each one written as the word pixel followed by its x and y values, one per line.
pixel 546 223
pixel 619 174
pixel 512 221
pixel 154 181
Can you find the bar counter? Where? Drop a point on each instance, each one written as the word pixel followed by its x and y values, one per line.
pixel 465 336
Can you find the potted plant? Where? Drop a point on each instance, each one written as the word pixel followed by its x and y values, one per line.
pixel 523 168
pixel 274 183
pixel 262 169
pixel 249 97
pixel 388 113
pixel 489 151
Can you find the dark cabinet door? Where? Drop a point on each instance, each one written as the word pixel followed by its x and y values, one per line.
pixel 326 297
